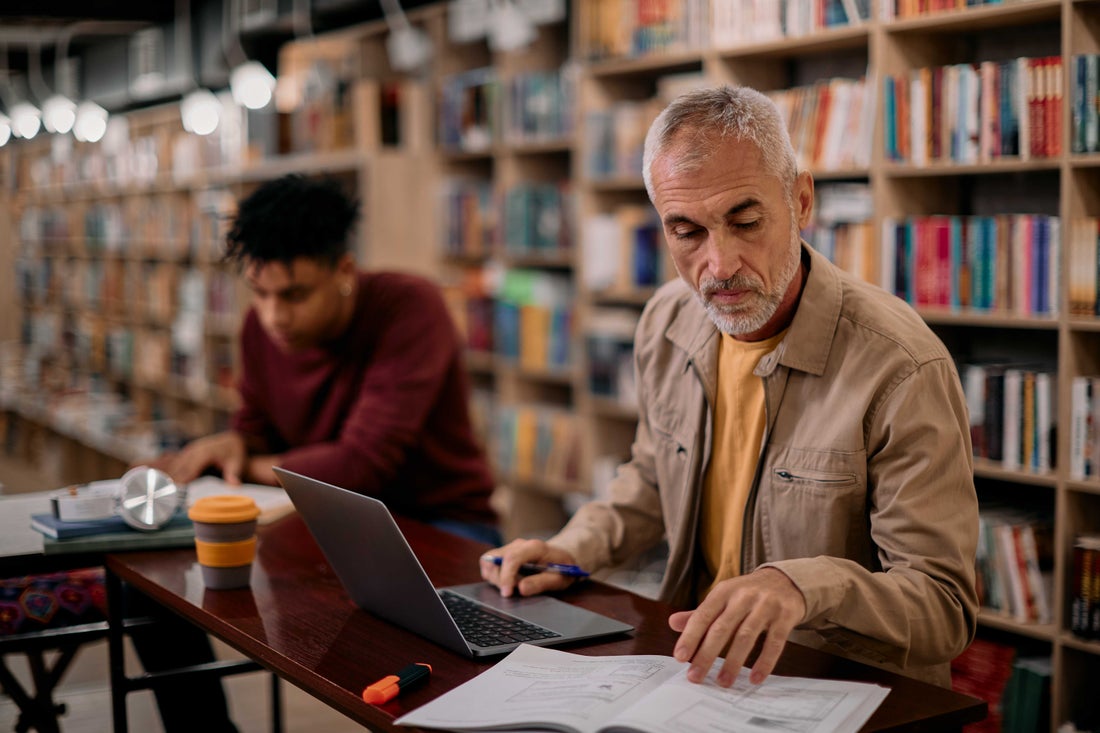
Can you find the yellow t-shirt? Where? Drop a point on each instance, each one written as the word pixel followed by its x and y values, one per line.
pixel 738 431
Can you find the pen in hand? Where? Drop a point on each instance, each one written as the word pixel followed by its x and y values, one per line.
pixel 530 568
pixel 389 686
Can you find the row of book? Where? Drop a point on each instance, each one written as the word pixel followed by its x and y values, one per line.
pixel 627 28
pixel 1015 564
pixel 1084 427
pixel 536 443
pixel 975 113
pixel 830 123
pixel 1083 254
pixel 623 251
pixel 1085 119
pixel 841 228
pixel 1008 263
pixel 477 111
pixel 539 106
pixel 1013 414
pixel 1016 688
pixel 902 9
pixel 132 291
pixel 538 219
pixel 533 319
pixel 609 352
pixel 738 22
pixel 535 219
pixel 1085 607
pixel 623 28
pixel 615 136
pixel 153 227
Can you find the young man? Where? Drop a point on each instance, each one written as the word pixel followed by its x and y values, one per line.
pixel 802 441
pixel 350 377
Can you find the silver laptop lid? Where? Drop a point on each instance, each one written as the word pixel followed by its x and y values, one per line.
pixel 381 573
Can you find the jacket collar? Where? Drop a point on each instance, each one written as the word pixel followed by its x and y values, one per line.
pixel 809 337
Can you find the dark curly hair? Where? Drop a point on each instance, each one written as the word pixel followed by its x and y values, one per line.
pixel 292 217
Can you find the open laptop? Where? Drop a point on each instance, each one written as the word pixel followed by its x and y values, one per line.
pixel 379 571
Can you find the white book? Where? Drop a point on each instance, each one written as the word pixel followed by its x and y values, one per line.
pixel 1080 399
pixel 539 688
pixel 1045 417
pixel 918 116
pixel 1012 419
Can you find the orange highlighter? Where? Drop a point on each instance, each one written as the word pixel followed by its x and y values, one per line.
pixel 389 686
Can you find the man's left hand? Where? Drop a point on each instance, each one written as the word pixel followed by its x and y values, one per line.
pixel 739 610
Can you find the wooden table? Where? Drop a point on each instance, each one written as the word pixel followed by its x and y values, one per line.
pixel 297 621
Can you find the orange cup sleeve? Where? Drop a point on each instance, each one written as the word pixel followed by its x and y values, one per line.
pixel 226 554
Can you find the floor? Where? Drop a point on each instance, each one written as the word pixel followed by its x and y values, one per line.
pixel 86 694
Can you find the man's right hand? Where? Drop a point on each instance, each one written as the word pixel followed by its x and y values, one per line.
pixel 224 451
pixel 507 577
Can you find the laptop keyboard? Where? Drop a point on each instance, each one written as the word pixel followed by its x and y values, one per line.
pixel 485 627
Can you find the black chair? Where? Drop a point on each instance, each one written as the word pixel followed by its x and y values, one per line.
pixel 48 617
pixel 38 710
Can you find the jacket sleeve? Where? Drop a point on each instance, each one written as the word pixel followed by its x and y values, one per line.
pixel 402 380
pixel 921 609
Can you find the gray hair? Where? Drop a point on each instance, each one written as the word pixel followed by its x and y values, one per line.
pixel 715 114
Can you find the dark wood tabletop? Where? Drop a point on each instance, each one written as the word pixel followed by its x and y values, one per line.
pixel 297 621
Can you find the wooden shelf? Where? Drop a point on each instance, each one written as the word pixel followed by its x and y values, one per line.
pixel 948 317
pixel 980 18
pixel 839 38
pixel 997 620
pixel 992 168
pixel 994 470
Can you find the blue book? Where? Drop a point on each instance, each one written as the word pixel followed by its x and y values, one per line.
pixel 59 529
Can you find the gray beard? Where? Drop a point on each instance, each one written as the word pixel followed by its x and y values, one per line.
pixel 761 304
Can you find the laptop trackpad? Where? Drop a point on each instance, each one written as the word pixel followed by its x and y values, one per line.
pixel 566 619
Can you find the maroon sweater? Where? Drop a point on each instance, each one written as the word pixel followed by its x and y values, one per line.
pixel 383 410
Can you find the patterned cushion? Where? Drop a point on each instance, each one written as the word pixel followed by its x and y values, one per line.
pixel 36 602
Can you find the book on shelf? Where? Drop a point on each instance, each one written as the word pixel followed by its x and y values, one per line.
pixel 982 671
pixel 535 687
pixel 1085 587
pixel 1014 564
pixel 1026 703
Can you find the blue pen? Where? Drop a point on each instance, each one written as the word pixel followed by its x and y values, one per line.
pixel 530 568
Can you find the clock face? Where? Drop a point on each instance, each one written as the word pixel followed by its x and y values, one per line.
pixel 148 498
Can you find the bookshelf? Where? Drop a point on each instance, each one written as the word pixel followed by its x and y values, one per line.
pixel 489 144
pixel 125 340
pixel 1016 193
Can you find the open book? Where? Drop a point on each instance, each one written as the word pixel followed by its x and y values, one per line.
pixel 272 500
pixel 539 688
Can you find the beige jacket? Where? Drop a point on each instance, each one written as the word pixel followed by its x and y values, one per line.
pixel 864 492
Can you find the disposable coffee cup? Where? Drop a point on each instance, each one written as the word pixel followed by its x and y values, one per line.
pixel 225 539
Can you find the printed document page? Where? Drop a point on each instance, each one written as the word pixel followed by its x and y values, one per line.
pixel 546 688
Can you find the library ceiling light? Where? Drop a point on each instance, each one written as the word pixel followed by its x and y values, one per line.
pixel 409 48
pixel 58 114
pixel 26 120
pixel 5 129
pixel 200 112
pixel 252 85
pixel 509 27
pixel 91 122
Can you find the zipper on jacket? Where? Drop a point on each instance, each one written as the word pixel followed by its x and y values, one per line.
pixel 835 478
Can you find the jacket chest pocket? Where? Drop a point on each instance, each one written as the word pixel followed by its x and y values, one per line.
pixel 813 505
